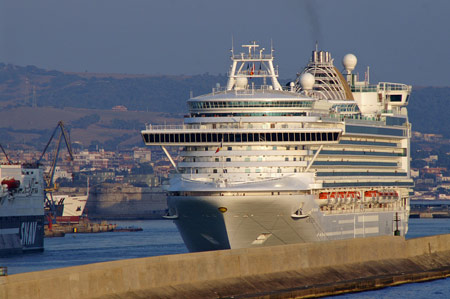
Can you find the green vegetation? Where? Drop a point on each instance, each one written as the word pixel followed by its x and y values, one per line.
pixel 85 121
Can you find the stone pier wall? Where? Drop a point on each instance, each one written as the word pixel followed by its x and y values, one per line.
pixel 280 271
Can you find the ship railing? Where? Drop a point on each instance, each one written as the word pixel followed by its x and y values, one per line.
pixel 257 57
pixel 354 118
pixel 382 86
pixel 365 88
pixel 254 73
pixel 150 127
pixel 387 86
pixel 249 90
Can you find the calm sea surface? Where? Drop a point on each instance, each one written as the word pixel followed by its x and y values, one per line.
pixel 160 237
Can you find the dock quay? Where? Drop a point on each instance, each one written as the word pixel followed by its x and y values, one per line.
pixel 430 209
pixel 287 271
pixel 83 226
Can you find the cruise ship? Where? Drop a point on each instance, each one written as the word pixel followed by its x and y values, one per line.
pixel 21 209
pixel 326 157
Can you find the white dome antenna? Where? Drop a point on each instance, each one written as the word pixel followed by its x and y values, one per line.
pixel 307 81
pixel 349 62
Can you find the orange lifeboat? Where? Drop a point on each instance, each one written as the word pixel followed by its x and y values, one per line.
pixel 324 195
pixel 11 183
pixel 333 197
pixel 351 196
pixel 371 195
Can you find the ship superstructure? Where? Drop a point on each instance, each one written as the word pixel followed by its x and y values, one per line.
pixel 21 209
pixel 326 157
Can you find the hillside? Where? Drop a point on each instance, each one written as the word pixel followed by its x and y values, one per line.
pixel 429 109
pixel 32 86
pixel 32 100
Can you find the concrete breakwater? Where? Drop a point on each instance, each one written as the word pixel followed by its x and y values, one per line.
pixel 287 271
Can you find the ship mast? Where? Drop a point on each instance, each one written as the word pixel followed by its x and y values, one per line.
pixel 239 75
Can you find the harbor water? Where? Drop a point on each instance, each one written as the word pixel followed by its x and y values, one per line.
pixel 160 237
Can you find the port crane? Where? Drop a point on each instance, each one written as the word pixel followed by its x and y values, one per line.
pixel 50 185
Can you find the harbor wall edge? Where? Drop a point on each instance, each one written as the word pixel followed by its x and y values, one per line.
pixel 103 279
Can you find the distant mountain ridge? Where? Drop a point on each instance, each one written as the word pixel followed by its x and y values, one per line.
pixel 26 86
pixel 30 85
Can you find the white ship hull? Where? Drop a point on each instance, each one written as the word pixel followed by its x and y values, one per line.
pixel 73 206
pixel 21 210
pixel 267 220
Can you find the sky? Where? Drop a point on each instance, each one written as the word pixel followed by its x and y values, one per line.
pixel 405 41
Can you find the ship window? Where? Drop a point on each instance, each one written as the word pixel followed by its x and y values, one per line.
pixel 177 137
pixel 228 160
pixel 182 137
pixel 295 169
pixel 231 137
pixel 197 137
pixel 285 137
pixel 148 137
pixel 157 138
pixel 238 137
pixel 313 135
pixel 196 171
pixel 229 148
pixel 324 136
pixel 208 137
pixel 330 136
pixel 258 170
pixel 318 136
pixel 220 137
pixel 280 136
pixel 244 137
pixel 395 97
pixel 203 137
pixel 250 137
pixel 286 159
pixel 216 159
pixel 214 170
pixel 279 170
pixel 206 148
pixel 214 137
pixel 273 137
pixel 291 137
pixel 308 136
pixel 192 137
pixel 225 137
pixel 274 148
pixel 272 126
pixel 247 170
pixel 335 136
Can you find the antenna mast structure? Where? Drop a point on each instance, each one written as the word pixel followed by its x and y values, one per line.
pixel 253 56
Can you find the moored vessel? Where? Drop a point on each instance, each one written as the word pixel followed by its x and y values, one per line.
pixel 324 158
pixel 21 209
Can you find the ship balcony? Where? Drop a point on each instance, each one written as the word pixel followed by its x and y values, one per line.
pixel 252 164
pixel 214 137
